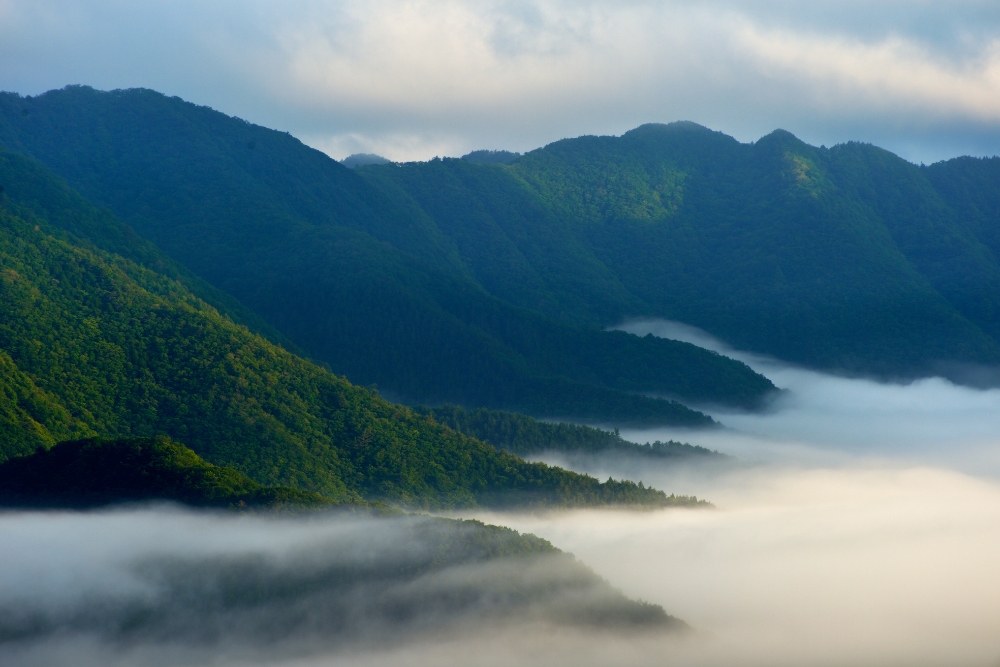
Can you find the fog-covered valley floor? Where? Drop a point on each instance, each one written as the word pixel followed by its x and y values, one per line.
pixel 858 524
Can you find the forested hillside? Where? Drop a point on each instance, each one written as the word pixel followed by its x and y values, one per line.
pixel 526 436
pixel 487 282
pixel 847 257
pixel 356 274
pixel 96 344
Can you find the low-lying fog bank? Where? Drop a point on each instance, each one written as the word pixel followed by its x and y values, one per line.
pixel 859 526
pixel 827 420
pixel 847 566
pixel 173 586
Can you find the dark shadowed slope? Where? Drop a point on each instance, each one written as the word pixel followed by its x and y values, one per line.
pixel 90 473
pixel 354 272
pixel 426 277
pixel 845 258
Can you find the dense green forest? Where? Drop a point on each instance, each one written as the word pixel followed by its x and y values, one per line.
pixel 89 473
pixel 428 278
pixel 524 435
pixel 94 344
pixel 356 274
pixel 847 257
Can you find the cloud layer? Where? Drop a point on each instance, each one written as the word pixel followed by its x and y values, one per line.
pixel 415 78
pixel 861 527
pixel 849 566
pixel 825 420
pixel 164 585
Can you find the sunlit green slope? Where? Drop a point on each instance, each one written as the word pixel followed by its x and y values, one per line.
pixel 95 344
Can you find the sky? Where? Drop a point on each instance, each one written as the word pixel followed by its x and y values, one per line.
pixel 412 79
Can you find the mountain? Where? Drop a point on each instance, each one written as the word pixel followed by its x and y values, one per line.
pixel 95 344
pixel 843 258
pixel 428 278
pixel 526 436
pixel 353 271
pixel 94 472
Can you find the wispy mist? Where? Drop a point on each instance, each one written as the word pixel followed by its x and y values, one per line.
pixel 823 419
pixel 853 566
pixel 859 525
pixel 168 586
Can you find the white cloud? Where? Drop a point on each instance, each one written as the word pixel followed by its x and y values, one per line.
pixel 411 78
pixel 892 74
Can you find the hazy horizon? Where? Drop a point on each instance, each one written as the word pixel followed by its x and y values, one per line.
pixel 414 80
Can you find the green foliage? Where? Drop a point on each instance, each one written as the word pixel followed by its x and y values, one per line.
pixel 488 284
pixel 970 187
pixel 524 435
pixel 88 473
pixel 29 418
pixel 491 157
pixel 361 159
pixel 99 344
pixel 357 270
pixel 33 193
pixel 846 257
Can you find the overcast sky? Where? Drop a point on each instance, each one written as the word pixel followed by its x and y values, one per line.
pixel 412 79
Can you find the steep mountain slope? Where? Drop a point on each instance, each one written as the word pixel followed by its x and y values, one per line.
pixel 355 273
pixel 95 344
pixel 970 187
pixel 846 257
pixel 427 278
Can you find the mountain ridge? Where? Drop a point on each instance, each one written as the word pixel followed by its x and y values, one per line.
pixel 353 272
pixel 94 344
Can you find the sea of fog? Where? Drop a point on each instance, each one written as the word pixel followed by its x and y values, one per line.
pixel 827 420
pixel 858 524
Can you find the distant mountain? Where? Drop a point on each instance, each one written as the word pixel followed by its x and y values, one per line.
pixel 844 258
pixel 350 266
pixel 362 159
pixel 95 344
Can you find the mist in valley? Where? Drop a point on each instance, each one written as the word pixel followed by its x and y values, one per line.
pixel 856 523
